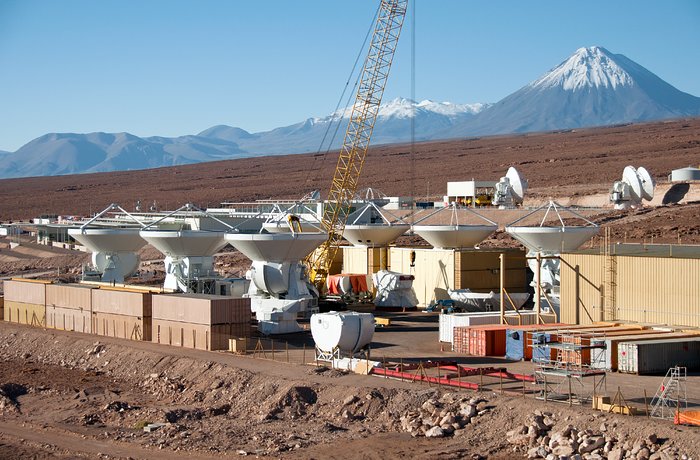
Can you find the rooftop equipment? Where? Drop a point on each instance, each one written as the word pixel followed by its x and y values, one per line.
pixel 370 226
pixel 454 235
pixel 636 185
pixel 510 190
pixel 189 252
pixel 279 287
pixel 114 249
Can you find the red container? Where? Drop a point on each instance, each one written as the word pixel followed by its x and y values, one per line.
pixel 460 339
pixel 488 340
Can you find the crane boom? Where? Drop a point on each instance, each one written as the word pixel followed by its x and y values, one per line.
pixel 373 79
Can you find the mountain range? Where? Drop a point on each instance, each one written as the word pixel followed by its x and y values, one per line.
pixel 593 87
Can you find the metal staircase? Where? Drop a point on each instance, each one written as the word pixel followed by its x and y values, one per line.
pixel 671 397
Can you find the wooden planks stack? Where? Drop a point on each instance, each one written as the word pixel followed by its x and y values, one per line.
pixel 200 321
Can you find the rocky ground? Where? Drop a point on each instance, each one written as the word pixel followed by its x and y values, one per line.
pixel 68 395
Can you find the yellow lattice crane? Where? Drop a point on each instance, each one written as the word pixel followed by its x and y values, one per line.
pixel 373 79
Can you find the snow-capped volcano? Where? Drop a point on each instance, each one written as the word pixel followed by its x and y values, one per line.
pixel 592 67
pixel 593 87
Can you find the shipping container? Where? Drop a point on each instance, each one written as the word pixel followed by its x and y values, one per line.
pixel 448 321
pixel 460 339
pixel 198 336
pixel 607 358
pixel 487 340
pixel 69 296
pixel 121 302
pixel 122 326
pixel 25 291
pixel 657 356
pixel 201 309
pixel 25 313
pixel 69 319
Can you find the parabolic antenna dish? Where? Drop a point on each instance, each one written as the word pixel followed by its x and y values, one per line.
pixel 629 175
pixel 276 247
pixel 373 234
pixel 281 226
pixel 518 185
pixel 185 243
pixel 108 240
pixel 552 239
pixel 647 183
pixel 454 236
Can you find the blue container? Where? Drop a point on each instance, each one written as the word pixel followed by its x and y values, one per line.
pixel 515 344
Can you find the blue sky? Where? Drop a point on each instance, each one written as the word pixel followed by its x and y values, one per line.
pixel 169 67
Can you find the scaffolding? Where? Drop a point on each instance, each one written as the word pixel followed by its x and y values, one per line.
pixel 671 397
pixel 566 369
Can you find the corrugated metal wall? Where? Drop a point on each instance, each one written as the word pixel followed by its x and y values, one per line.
pixel 365 261
pixel 434 271
pixel 659 290
pixel 582 290
pixel 437 270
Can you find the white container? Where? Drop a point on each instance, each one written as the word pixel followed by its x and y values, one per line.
pixel 347 331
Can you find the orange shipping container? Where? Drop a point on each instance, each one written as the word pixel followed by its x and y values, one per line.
pixel 201 309
pixel 121 326
pixel 488 340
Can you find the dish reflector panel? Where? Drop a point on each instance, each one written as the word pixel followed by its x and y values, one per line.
pixel 552 239
pixel 629 175
pixel 454 236
pixel 276 247
pixel 108 239
pixel 517 184
pixel 647 183
pixel 185 243
pixel 373 234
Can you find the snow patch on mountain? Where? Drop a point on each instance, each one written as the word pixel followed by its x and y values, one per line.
pixel 592 67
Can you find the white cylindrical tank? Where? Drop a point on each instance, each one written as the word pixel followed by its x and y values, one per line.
pixel 347 331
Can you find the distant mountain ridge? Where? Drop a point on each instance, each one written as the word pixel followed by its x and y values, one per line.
pixel 593 87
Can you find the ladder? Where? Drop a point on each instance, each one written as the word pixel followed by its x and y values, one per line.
pixel 671 396
pixel 610 279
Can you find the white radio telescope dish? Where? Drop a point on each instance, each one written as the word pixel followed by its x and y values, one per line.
pixel 629 176
pixel 647 183
pixel 518 185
